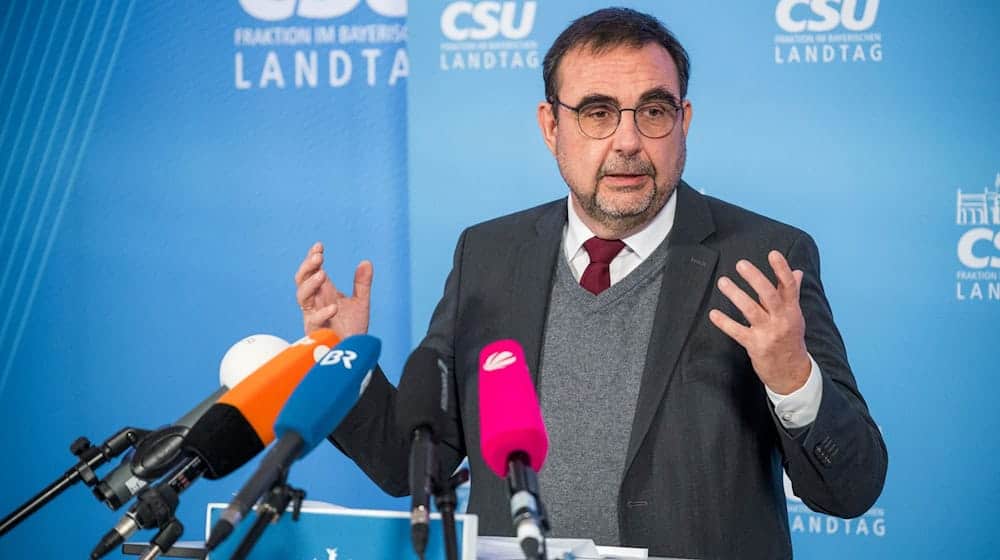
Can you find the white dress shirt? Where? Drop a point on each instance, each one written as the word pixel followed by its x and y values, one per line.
pixel 795 410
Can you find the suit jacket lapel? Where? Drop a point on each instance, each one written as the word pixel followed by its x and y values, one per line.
pixel 689 269
pixel 535 259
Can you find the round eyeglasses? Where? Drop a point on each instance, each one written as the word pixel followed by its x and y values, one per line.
pixel 600 119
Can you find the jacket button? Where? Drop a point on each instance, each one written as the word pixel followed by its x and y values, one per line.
pixel 821 454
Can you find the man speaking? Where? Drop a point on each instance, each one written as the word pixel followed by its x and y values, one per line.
pixel 683 349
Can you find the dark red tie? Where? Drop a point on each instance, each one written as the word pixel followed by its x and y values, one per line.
pixel 597 277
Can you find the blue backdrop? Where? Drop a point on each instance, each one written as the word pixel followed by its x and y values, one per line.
pixel 165 168
pixel 157 200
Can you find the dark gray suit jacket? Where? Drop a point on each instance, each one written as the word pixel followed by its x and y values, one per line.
pixel 703 474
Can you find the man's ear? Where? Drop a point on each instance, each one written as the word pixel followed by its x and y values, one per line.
pixel 688 114
pixel 548 124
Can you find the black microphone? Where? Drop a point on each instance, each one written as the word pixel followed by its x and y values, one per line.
pixel 241 423
pixel 155 506
pixel 421 402
pixel 163 449
pixel 155 454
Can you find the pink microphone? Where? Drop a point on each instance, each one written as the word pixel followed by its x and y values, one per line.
pixel 512 438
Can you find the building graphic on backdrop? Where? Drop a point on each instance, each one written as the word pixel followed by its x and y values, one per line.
pixel 979 208
pixel 488 36
pixel 802 520
pixel 978 251
pixel 827 32
pixel 298 44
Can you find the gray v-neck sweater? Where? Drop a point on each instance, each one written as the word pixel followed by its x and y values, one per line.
pixel 593 356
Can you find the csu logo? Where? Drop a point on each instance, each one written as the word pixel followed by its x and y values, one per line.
pixel 979 209
pixel 969 257
pixel 826 15
pixel 277 10
pixel 485 20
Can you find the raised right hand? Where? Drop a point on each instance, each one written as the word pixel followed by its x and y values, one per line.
pixel 323 305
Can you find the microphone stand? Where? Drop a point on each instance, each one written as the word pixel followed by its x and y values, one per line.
pixel 270 511
pixel 155 507
pixel 445 500
pixel 91 457
pixel 531 523
pixel 164 540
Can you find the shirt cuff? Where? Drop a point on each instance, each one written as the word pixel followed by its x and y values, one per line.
pixel 799 408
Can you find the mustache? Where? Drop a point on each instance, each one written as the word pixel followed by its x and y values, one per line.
pixel 627 167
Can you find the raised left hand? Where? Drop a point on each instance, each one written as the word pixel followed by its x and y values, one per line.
pixel 775 339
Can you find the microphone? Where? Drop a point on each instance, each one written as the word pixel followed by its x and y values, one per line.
pixel 421 402
pixel 513 439
pixel 260 394
pixel 155 507
pixel 247 356
pixel 161 450
pixel 319 403
pixel 241 423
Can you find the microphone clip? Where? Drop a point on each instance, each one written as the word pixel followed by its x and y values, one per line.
pixel 91 456
pixel 444 489
pixel 270 511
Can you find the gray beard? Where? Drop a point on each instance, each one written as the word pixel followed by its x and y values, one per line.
pixel 626 223
pixel 618 220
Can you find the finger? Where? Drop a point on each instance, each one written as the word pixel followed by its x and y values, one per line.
pixel 766 292
pixel 319 318
pixel 312 263
pixel 308 288
pixel 799 275
pixel 324 314
pixel 733 329
pixel 363 280
pixel 316 247
pixel 753 312
pixel 783 272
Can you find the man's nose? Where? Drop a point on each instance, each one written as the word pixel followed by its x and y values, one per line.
pixel 627 139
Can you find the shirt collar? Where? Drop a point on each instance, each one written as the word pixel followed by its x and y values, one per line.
pixel 642 243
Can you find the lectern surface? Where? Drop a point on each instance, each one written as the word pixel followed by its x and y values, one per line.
pixel 183 549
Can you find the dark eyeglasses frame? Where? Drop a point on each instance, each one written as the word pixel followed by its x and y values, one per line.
pixel 635 117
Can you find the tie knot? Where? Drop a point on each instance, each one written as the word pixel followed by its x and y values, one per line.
pixel 603 250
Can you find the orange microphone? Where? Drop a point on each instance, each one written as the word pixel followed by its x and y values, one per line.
pixel 241 423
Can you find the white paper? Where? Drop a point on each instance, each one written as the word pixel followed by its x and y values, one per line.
pixel 506 548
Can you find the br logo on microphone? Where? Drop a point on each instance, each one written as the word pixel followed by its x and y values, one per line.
pixel 337 356
pixel 499 360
